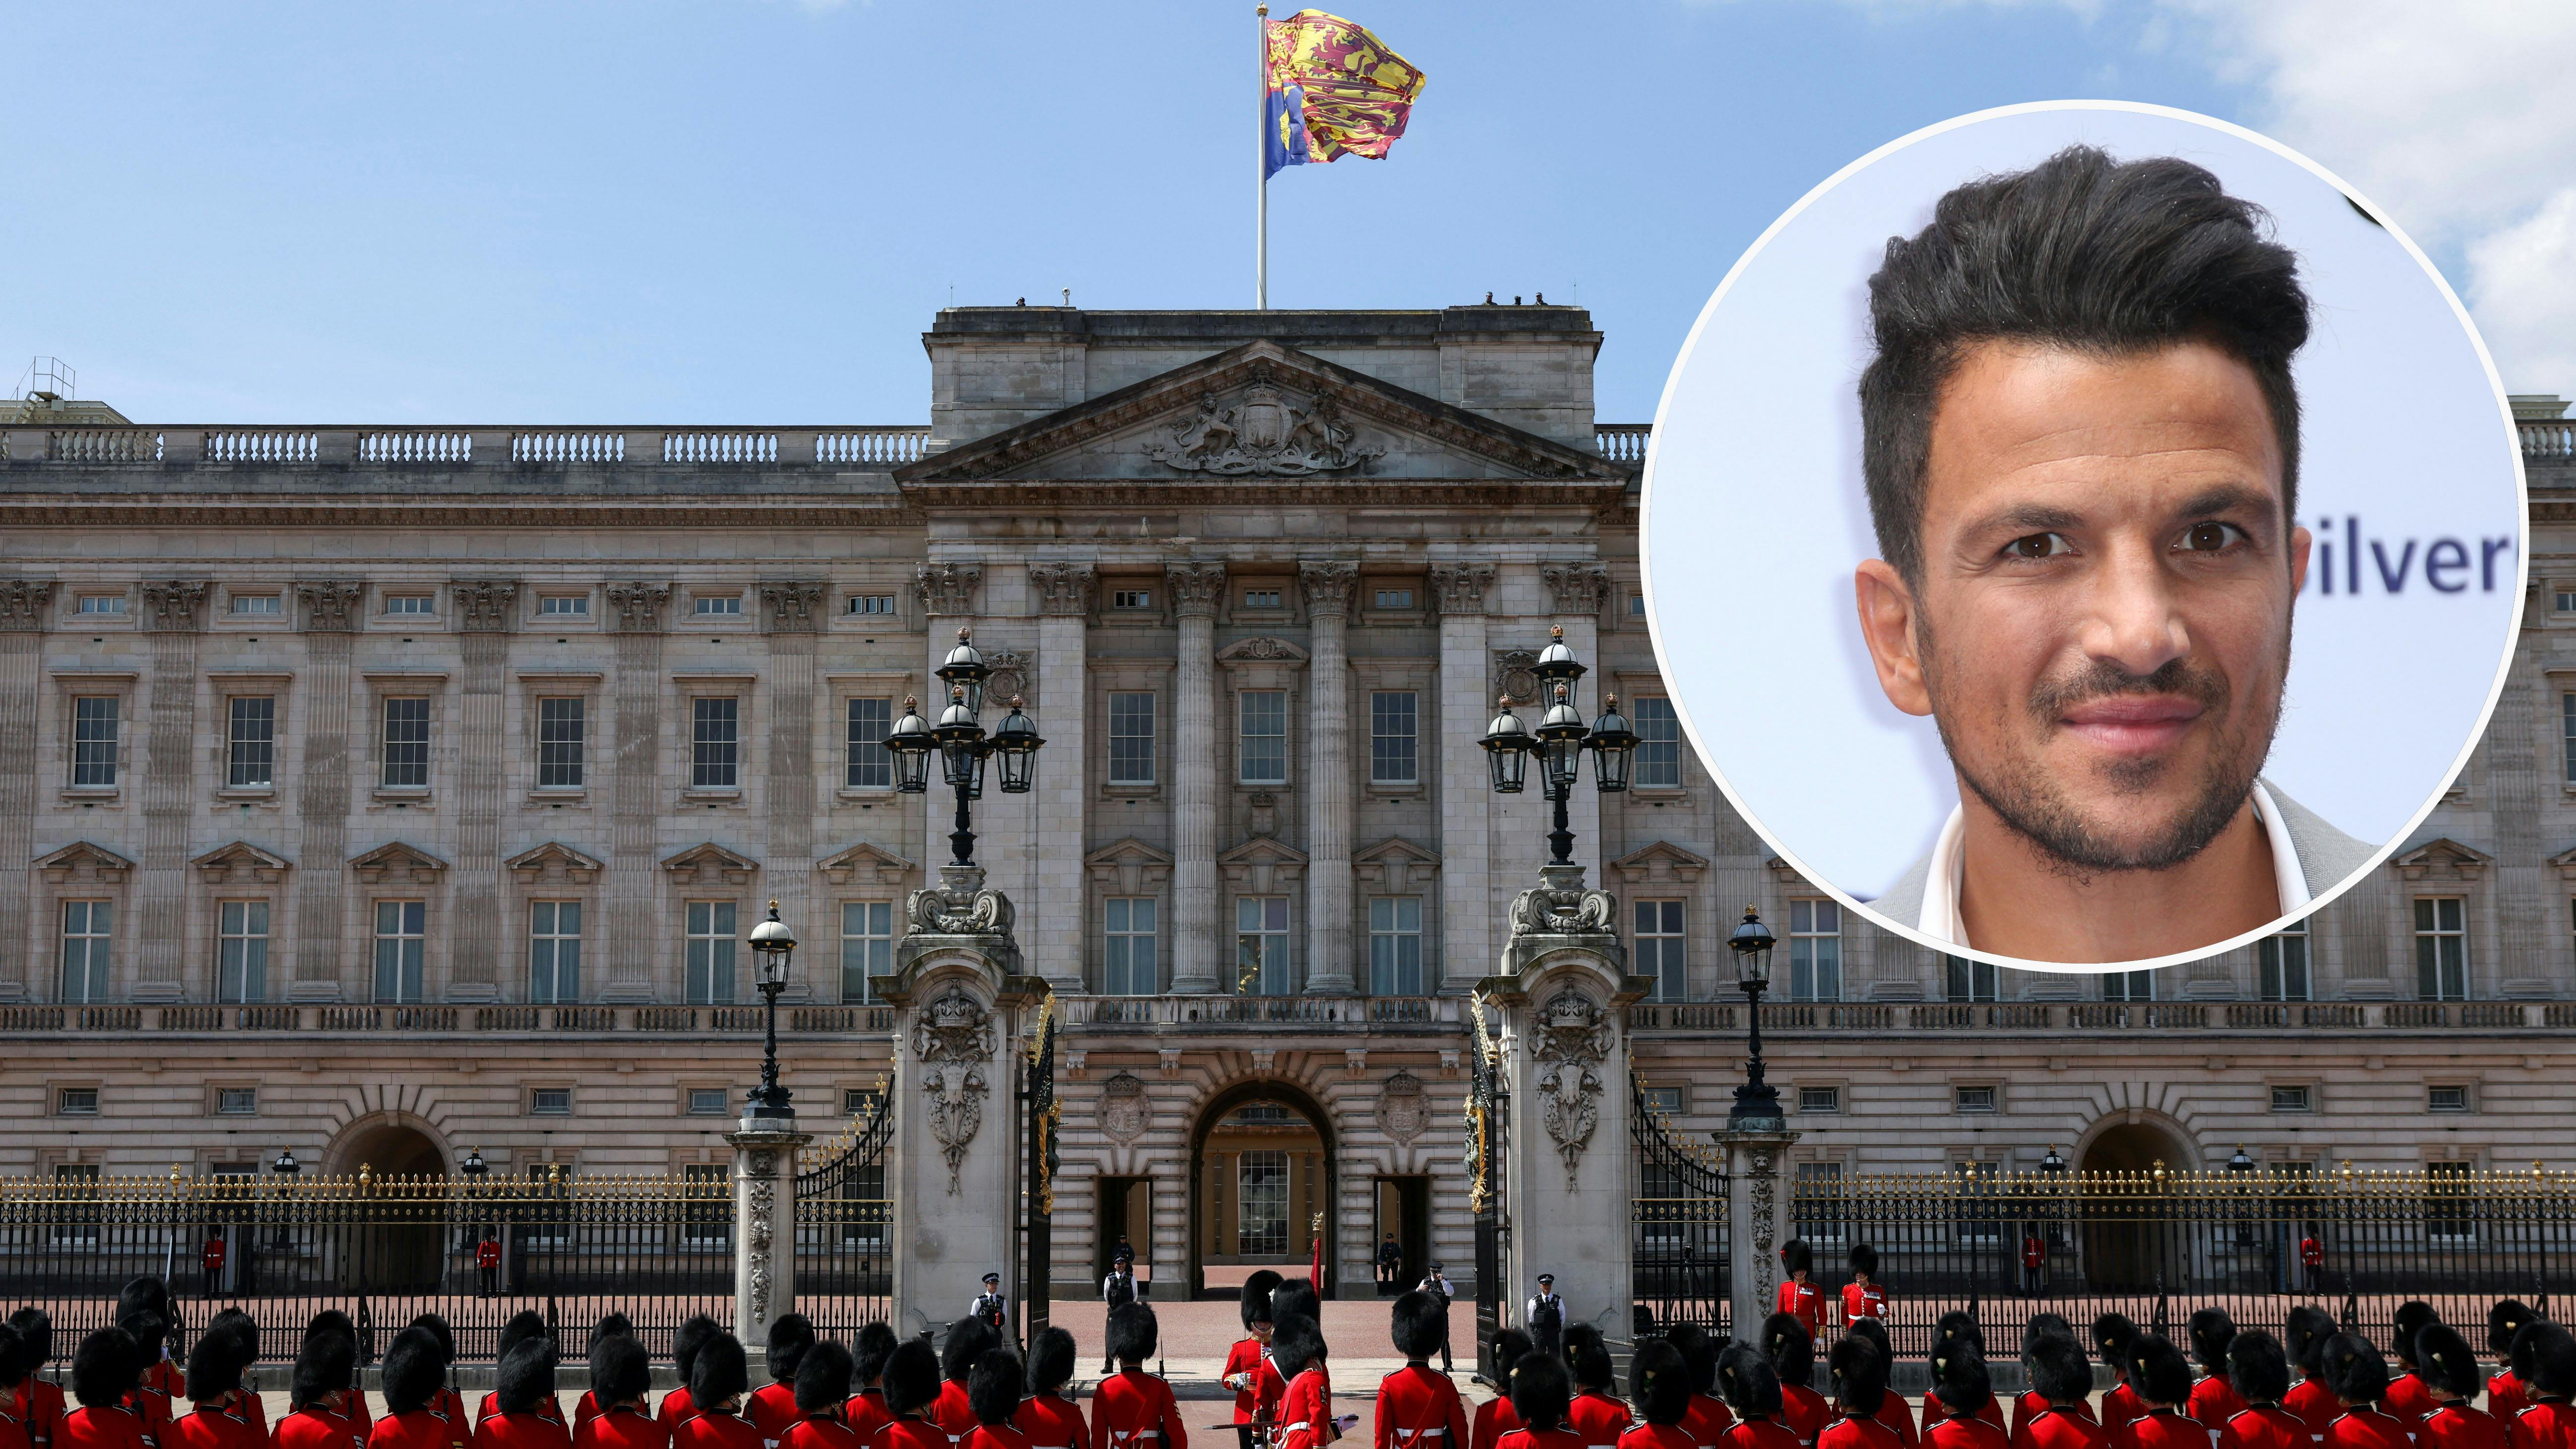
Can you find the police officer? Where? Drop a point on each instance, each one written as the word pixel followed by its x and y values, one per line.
pixel 1437 1284
pixel 1545 1315
pixel 990 1305
pixel 1119 1289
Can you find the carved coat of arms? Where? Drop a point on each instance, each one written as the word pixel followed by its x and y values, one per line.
pixel 1122 1108
pixel 1571 1037
pixel 1262 434
pixel 1401 1113
pixel 953 1040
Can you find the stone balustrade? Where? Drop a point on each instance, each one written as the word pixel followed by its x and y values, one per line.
pixel 2096 1017
pixel 35 1019
pixel 1310 1012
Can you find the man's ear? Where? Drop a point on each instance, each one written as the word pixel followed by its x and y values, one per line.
pixel 1887 626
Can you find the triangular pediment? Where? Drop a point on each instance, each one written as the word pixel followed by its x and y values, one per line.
pixel 708 863
pixel 1129 867
pixel 866 864
pixel 1128 850
pixel 1258 415
pixel 553 861
pixel 1662 861
pixel 85 861
pixel 1262 850
pixel 2441 856
pixel 1396 865
pixel 399 862
pixel 240 861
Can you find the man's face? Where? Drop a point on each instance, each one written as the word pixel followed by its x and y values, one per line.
pixel 2102 625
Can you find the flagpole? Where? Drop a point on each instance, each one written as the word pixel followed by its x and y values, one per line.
pixel 1261 165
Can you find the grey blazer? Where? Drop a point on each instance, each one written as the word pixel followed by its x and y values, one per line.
pixel 2326 857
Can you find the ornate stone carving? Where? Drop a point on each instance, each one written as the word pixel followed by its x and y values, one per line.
pixel 1760 1179
pixel 23 603
pixel 1064 589
pixel 763 1229
pixel 1014 673
pixel 953 1040
pixel 1328 586
pixel 332 606
pixel 637 608
pixel 1460 588
pixel 486 606
pixel 1579 588
pixel 794 607
pixel 959 905
pixel 1264 435
pixel 1512 677
pixel 175 607
pixel 1569 1040
pixel 947 588
pixel 1265 649
pixel 1196 587
pixel 1124 1114
pixel 1563 907
pixel 1401 1111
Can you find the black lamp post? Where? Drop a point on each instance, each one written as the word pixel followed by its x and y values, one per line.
pixel 963 745
pixel 1757 1102
pixel 773 946
pixel 285 1167
pixel 1559 743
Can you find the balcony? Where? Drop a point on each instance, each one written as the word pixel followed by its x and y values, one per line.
pixel 1300 1014
pixel 591 1019
pixel 2108 1017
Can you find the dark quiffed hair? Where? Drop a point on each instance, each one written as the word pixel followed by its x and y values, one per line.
pixel 692 1335
pixel 911 1377
pixel 2354 1371
pixel 2258 1368
pixel 2446 1363
pixel 1746 1378
pixel 414 1371
pixel 620 1371
pixel 1860 1375
pixel 719 1371
pixel 1133 1333
pixel 1960 1376
pixel 968 1338
pixel 993 1386
pixel 2059 1371
pixel 2079 252
pixel 105 1368
pixel 1050 1360
pixel 869 1351
pixel 2158 1372
pixel 791 1335
pixel 1659 1382
pixel 822 1376
pixel 1539 1391
pixel 1417 1323
pixel 1791 1349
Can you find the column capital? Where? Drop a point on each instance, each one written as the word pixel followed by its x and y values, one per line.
pixel 1328 584
pixel 23 603
pixel 175 606
pixel 947 587
pixel 1460 588
pixel 1064 589
pixel 486 606
pixel 792 606
pixel 1576 588
pixel 637 608
pixel 332 606
pixel 1196 584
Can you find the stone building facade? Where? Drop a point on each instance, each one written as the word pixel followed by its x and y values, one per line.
pixel 384 793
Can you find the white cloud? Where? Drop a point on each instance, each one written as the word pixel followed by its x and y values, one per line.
pixel 2522 284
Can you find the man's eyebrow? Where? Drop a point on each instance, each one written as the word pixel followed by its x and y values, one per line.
pixel 2226 498
pixel 2030 518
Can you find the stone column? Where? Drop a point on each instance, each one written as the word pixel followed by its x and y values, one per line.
pixel 1328 587
pixel 637 780
pixel 792 613
pixel 332 612
pixel 1466 707
pixel 24 606
pixel 486 611
pixel 1757 1213
pixel 1200 965
pixel 764 1223
pixel 174 613
pixel 1576 593
pixel 2523 888
pixel 954 1169
pixel 1064 592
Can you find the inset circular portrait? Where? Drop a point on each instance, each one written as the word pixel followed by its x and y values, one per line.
pixel 2084 536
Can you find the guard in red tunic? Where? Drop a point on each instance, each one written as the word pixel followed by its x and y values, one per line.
pixel 993 1389
pixel 449 1402
pixel 2113 1338
pixel 2408 1399
pixel 524 1325
pixel 610 1325
pixel 1799 1297
pixel 2031 1403
pixel 2259 1371
pixel 1243 1361
pixel 40 1410
pixel 1495 1417
pixel 2303 1340
pixel 154 1387
pixel 1792 1351
pixel 1132 1409
pixel 2359 1378
pixel 2162 1379
pixel 218 1419
pixel 14 1378
pixel 1957 1328
pixel 1306 1418
pixel 414 1372
pixel 349 1407
pixel 1660 1384
pixel 2312 1260
pixel 822 1400
pixel 1417 1407
pixel 2451 1374
pixel 487 1265
pixel 317 1396
pixel 621 1383
pixel 1596 1412
pixel 210 1257
pixel 104 1370
pixel 1860 1393
pixel 1707 1419
pixel 2213 1400
pixel 1862 1296
pixel 695 1332
pixel 866 1409
pixel 2063 1378
pixel 1752 1391
pixel 2034 1262
pixel 911 1387
pixel 1540 1394
pixel 1894 1414
pixel 526 1387
pixel 968 1340
pixel 1968 1418
pixel 719 1376
pixel 2544 1359
pixel 1050 1419
pixel 773 1407
pixel 2504 1391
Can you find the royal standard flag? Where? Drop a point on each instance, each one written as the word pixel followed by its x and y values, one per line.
pixel 1335 90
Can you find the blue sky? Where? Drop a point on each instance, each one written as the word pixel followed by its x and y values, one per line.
pixel 747 212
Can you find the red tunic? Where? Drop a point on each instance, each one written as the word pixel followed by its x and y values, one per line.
pixel 1052 1421
pixel 2265 1426
pixel 117 1428
pixel 1494 1419
pixel 1132 1407
pixel 809 1432
pixel 1529 1438
pixel 719 1431
pixel 1419 1409
pixel 210 1427
pixel 1864 1300
pixel 2545 1424
pixel 1599 1418
pixel 1972 1432
pixel 1306 1413
pixel 1761 1434
pixel 997 1436
pixel 583 1411
pixel 1804 1302
pixel 13 1430
pixel 1934 1411
pixel 414 1429
pixel 532 1430
pixel 1657 1436
pixel 2408 1399
pixel 1805 1412
pixel 1897 1417
pixel 1707 1420
pixel 45 1410
pixel 675 1408
pixel 2313 1404
pixel 624 1427
pixel 1242 1368
pixel 547 1408
pixel 2454 1425
pixel 314 1427
pixel 2505 1397
pixel 2213 1402
pixel 2165 1429
pixel 1851 1433
pixel 867 1414
pixel 952 1413
pixel 2030 1406
pixel 2071 1427
pixel 2367 1428
pixel 772 1411
pixel 913 1433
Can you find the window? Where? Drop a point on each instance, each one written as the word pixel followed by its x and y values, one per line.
pixel 406 744
pixel 2441 949
pixel 717 606
pixel 2294 1099
pixel 2446 1099
pixel 2566 602
pixel 1395 946
pixel 237 1101
pixel 1659 744
pixel 716 726
pixel 561 736
pixel 1658 948
pixel 867 946
pixel 870 765
pixel 94 730
pixel 258 605
pixel 250 755
pixel 711 953
pixel 2567 729
pixel 1975 1099
pixel 2448 1187
pixel 1131 738
pixel 869 604
pixel 1261 717
pixel 859 1101
pixel 1815 951
pixel 241 953
pixel 1820 1099
pixel 1261 598
pixel 2281 965
pixel 1966 980
pixel 402 943
pixel 563 606
pixel 1667 1100
pixel 1261 946
pixel 2129 986
pixel 554 952
pixel 100 604
pixel 1395 726
pixel 1128 968
pixel 77 1102
pixel 1394 598
pixel 408 603
pixel 1131 598
pixel 550 1102
pixel 1636 606
pixel 1261 1205
pixel 86 932
pixel 706 1102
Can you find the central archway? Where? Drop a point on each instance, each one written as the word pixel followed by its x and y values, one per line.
pixel 2126 1249
pixel 392 1253
pixel 1270 1144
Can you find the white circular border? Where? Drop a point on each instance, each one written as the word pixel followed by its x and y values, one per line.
pixel 2504 410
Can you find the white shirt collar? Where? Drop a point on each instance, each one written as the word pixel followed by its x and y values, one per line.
pixel 1942 881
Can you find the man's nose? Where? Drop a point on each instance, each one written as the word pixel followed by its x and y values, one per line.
pixel 2132 616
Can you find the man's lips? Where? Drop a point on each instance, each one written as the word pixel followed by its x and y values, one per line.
pixel 2133 724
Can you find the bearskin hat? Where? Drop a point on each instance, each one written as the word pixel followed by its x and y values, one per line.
pixel 1860 1375
pixel 1577 1335
pixel 527 1376
pixel 105 1368
pixel 2505 1320
pixel 2258 1368
pixel 2059 1372
pixel 1746 1380
pixel 1296 1295
pixel 2210 1330
pixel 1417 1323
pixel 620 1370
pixel 1050 1360
pixel 993 1386
pixel 148 1329
pixel 2544 1358
pixel 1960 1377
pixel 436 1327
pixel 1659 1382
pixel 1791 1349
pixel 2113 1333
pixel 2446 1363
pixel 1509 1345
pixel 2304 1335
pixel 14 1366
pixel 868 1351
pixel 967 1340
pixel 1587 1359
pixel 414 1371
pixel 327 1364
pixel 2354 1371
pixel 336 1323
pixel 1539 1391
pixel 147 1295
pixel 36 1330
pixel 911 1377
pixel 1957 1324
pixel 525 1324
pixel 2158 1372
pixel 822 1376
pixel 1876 1333
pixel 1296 1344
pixel 692 1335
pixel 1133 1334
pixel 1255 1296
pixel 2043 1325
pixel 720 1371
pixel 790 1335
pixel 2413 1317
pixel 1698 1355
pixel 1864 1259
pixel 610 1325
pixel 1797 1257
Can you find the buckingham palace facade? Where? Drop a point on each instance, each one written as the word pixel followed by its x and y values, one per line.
pixel 377 795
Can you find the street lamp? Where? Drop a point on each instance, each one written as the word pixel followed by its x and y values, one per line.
pixel 772 948
pixel 286 1165
pixel 963 745
pixel 1757 1102
pixel 1559 743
